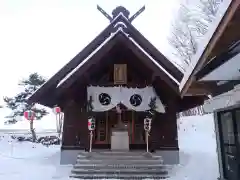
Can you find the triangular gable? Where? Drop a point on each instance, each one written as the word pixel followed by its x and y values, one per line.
pixel 150 49
pixel 52 83
pixel 119 36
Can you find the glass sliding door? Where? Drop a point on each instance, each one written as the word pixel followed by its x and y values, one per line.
pixel 237 113
pixel 229 146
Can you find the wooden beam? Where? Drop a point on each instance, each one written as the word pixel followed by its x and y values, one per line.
pixel 214 40
pixel 201 88
pixel 197 92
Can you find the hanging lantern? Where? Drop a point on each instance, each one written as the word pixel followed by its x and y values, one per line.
pixel 29 115
pixel 57 110
pixel 91 124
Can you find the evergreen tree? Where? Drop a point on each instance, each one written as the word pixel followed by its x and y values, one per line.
pixel 90 107
pixel 152 106
pixel 18 104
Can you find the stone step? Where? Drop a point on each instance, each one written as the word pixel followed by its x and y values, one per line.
pixel 120 171
pixel 118 176
pixel 114 153
pixel 129 157
pixel 119 161
pixel 119 166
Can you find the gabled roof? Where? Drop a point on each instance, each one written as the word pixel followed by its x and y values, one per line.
pixel 119 29
pixel 227 10
pixel 117 37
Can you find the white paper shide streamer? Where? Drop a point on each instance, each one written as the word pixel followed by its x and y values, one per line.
pixel 137 99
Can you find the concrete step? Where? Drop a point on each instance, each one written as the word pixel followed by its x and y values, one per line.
pixel 120 171
pixel 119 166
pixel 118 176
pixel 114 153
pixel 118 161
pixel 128 157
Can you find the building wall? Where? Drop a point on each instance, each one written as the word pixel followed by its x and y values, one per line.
pixel 163 133
pixel 75 132
pixel 164 129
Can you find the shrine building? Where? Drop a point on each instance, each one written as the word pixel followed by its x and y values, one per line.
pixel 119 68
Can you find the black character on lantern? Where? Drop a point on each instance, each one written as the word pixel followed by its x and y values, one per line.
pixel 104 99
pixel 147 124
pixel 135 100
pixel 93 125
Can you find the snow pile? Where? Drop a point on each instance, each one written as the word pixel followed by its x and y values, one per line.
pixel 198 153
pixel 28 161
pixel 45 140
pixel 199 131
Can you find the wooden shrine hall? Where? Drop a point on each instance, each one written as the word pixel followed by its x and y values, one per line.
pixel 119 68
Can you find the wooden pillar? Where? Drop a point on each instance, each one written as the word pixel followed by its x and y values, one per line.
pixel 133 125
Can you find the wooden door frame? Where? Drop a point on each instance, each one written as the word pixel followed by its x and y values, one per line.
pixel 96 141
pixel 131 122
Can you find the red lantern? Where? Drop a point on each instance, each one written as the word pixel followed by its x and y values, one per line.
pixel 29 115
pixel 57 110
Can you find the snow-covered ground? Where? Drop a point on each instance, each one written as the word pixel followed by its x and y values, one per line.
pixel 27 161
pixel 198 160
pixel 198 153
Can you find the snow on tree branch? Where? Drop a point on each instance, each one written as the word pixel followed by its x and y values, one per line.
pixel 190 26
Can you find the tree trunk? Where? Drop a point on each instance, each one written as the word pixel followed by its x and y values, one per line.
pixel 33 131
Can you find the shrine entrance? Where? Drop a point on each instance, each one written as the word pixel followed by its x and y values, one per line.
pixel 119 113
pixel 107 121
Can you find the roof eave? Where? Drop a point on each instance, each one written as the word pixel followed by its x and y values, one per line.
pixel 219 60
pixel 120 36
pixel 190 77
pixel 153 51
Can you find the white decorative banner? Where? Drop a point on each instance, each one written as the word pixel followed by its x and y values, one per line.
pixel 137 99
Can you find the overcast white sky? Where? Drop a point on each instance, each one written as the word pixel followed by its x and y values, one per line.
pixel 43 35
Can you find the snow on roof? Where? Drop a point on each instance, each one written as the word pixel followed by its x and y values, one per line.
pixel 88 58
pixel 106 41
pixel 154 61
pixel 221 12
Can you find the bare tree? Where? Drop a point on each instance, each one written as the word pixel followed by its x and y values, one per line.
pixel 209 8
pixel 192 23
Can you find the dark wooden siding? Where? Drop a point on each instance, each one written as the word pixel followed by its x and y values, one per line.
pixel 164 129
pixel 75 123
pixel 163 134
